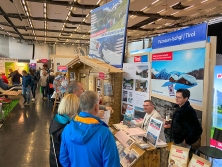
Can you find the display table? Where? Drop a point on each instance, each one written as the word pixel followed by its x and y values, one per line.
pixel 150 157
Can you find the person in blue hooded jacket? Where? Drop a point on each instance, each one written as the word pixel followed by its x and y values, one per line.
pixel 86 140
pixel 66 111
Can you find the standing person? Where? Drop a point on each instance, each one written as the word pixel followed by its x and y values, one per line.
pixel 34 83
pixel 185 127
pixel 26 86
pixel 76 88
pixel 50 88
pixel 4 78
pixel 87 141
pixel 43 84
pixel 16 80
pixel 66 111
pixel 148 107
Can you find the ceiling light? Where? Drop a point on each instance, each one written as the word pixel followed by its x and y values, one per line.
pixel 27 13
pixel 155 2
pixel 144 8
pixel 45 5
pixel 189 7
pixel 87 15
pixel 151 23
pixel 161 11
pixel 23 2
pixel 67 17
pixel 159 19
pixel 143 26
pixel 174 4
pixel 25 8
pixel 175 13
pixel 98 2
pixel 204 1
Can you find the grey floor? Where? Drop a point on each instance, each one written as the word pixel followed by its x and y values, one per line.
pixel 24 139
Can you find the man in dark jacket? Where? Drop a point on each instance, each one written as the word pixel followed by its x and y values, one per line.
pixel 26 87
pixel 185 128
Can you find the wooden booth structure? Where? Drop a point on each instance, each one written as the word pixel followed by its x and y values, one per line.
pixel 103 78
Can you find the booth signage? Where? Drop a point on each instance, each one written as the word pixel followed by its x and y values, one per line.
pixel 163 56
pixel 44 60
pixel 217 108
pixel 188 35
pixel 62 68
pixel 101 75
pixel 137 59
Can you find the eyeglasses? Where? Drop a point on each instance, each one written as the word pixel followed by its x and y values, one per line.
pixel 146 105
pixel 178 97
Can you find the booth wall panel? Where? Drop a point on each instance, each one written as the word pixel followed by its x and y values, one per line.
pixel 4 45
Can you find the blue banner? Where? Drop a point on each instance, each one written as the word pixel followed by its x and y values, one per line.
pixel 108 32
pixel 184 36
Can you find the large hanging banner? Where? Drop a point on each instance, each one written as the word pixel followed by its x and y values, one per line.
pixel 178 60
pixel 215 138
pixel 136 81
pixel 108 32
pixel 179 69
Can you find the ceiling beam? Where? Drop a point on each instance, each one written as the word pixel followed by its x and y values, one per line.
pixel 65 3
pixel 153 15
pixel 61 38
pixel 10 22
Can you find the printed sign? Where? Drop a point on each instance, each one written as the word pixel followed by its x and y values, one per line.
pixel 179 69
pixel 44 60
pixel 163 56
pixel 108 32
pixel 62 68
pixel 137 59
pixel 101 75
pixel 187 35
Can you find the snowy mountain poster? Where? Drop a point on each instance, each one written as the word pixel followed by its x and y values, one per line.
pixel 108 32
pixel 179 69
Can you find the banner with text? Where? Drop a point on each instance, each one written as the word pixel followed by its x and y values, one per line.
pixel 108 32
pixel 184 36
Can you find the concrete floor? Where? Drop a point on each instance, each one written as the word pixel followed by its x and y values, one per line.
pixel 24 137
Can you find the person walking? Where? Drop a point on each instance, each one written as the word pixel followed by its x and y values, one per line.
pixel 43 83
pixel 66 111
pixel 34 83
pixel 49 85
pixel 26 86
pixel 16 79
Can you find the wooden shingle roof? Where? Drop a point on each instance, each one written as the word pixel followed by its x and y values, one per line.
pixel 94 63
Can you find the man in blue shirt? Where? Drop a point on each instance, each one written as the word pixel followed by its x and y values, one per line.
pixel 26 87
pixel 87 141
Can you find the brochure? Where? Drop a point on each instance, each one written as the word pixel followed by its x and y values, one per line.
pixel 128 116
pixel 153 131
pixel 130 158
pixel 124 139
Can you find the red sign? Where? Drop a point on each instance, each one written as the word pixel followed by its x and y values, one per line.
pixel 98 33
pixel 163 56
pixel 62 68
pixel 219 76
pixel 179 151
pixel 200 162
pixel 137 59
pixel 101 75
pixel 44 60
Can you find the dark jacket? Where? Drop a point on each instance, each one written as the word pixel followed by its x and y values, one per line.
pixel 16 78
pixel 3 85
pixel 55 130
pixel 34 79
pixel 185 125
pixel 50 80
pixel 26 80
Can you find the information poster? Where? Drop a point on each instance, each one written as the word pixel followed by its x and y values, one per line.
pixel 108 32
pixel 179 69
pixel 217 112
pixel 136 78
pixel 62 68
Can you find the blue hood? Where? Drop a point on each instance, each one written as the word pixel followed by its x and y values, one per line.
pixel 83 127
pixel 62 119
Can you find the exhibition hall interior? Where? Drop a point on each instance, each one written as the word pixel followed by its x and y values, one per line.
pixel 110 83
